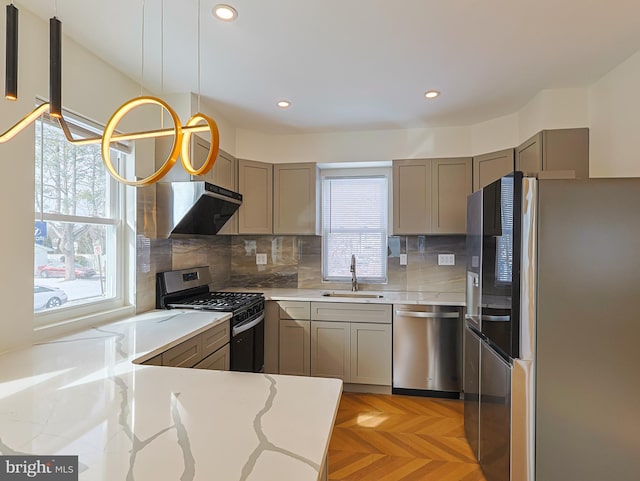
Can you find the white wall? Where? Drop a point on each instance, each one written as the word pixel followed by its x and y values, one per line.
pixel 549 109
pixel 614 117
pixel 496 134
pixel 554 109
pixel 354 146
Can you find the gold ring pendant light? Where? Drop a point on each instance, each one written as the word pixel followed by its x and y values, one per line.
pixel 182 134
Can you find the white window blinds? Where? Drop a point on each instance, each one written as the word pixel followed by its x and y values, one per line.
pixel 354 221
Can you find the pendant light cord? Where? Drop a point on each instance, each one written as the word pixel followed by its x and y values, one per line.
pixel 142 52
pixel 199 56
pixel 162 47
pixel 161 60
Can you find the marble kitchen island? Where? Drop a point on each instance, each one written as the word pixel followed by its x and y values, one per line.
pixel 83 395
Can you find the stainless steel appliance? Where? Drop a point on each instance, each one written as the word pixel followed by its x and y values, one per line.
pixel 189 289
pixel 557 332
pixel 193 207
pixel 427 350
pixel 471 365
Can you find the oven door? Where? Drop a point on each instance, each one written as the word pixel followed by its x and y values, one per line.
pixel 247 345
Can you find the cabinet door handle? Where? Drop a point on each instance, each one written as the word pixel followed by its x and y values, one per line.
pixel 245 327
pixel 495 318
pixel 429 315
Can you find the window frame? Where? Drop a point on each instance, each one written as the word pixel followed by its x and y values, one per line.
pixel 356 172
pixel 119 199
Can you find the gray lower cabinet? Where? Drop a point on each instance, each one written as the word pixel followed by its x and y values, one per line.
pixel 352 342
pixel 185 354
pixel 342 340
pixel 295 346
pixel 154 361
pixel 371 353
pixel 331 349
pixel 218 361
pixel 294 338
pixel 207 350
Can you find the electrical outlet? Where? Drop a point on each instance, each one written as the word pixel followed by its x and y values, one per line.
pixel 446 259
pixel 261 259
pixel 403 259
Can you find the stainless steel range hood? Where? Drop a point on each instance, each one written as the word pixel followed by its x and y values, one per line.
pixel 193 208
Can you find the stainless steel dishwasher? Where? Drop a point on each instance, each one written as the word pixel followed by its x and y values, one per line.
pixel 427 350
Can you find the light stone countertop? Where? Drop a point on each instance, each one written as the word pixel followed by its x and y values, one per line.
pixel 388 297
pixel 82 395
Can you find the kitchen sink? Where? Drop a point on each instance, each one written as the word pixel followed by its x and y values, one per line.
pixel 355 295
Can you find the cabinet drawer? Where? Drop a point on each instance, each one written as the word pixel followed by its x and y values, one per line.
pixel 185 354
pixel 154 361
pixel 218 361
pixel 214 338
pixel 351 312
pixel 295 309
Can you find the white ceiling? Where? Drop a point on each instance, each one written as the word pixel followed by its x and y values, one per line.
pixel 357 64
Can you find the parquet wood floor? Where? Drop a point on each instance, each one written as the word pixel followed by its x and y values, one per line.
pixel 400 438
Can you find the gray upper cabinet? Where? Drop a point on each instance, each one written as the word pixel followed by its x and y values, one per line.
pixel 294 201
pixel 562 150
pixel 225 174
pixel 529 155
pixel 199 153
pixel 490 167
pixel 430 195
pixel 255 183
pixel 411 196
pixel 225 171
pixel 451 184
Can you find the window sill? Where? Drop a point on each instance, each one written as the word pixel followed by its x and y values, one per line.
pixel 68 326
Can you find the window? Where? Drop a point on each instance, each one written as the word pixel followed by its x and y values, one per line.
pixel 79 247
pixel 354 221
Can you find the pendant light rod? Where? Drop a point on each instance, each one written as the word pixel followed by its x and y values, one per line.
pixel 11 69
pixel 55 67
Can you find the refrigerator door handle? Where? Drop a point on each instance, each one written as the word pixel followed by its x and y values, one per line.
pixel 496 318
pixel 430 315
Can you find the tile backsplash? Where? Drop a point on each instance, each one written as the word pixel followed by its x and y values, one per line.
pixel 292 261
pixel 295 261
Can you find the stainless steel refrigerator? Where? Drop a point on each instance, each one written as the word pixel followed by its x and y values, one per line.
pixel 552 389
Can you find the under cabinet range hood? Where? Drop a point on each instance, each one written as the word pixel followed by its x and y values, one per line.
pixel 193 207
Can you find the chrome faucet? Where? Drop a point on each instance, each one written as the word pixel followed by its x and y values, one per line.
pixel 354 277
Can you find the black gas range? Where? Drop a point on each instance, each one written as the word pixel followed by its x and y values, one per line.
pixel 189 289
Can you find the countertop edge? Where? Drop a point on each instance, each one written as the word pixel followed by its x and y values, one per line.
pixel 160 349
pixel 389 297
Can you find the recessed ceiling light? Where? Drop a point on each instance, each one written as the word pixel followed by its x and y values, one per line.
pixel 225 12
pixel 283 104
pixel 431 94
